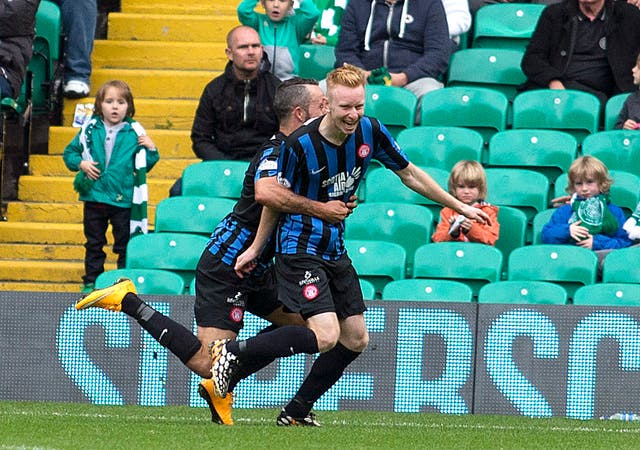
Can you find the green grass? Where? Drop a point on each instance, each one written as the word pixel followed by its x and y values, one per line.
pixel 82 426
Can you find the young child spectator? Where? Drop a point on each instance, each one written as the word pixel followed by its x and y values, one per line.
pixel 632 225
pixel 281 30
pixel 327 27
pixel 112 154
pixel 589 220
pixel 629 118
pixel 468 183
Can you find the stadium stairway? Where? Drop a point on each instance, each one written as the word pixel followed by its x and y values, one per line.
pixel 166 51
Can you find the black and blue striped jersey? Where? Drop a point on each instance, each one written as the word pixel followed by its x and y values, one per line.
pixel 315 168
pixel 237 230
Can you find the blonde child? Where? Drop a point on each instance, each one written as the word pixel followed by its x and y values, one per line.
pixel 110 151
pixel 629 117
pixel 281 30
pixel 468 183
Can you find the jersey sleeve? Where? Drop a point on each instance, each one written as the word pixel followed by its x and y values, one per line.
pixel 387 150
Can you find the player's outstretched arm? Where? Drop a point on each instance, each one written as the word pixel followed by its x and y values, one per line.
pixel 246 261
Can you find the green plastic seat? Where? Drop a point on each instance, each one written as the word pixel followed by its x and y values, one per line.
pixel 539 221
pixel 394 106
pixel 441 147
pixel 575 112
pixel 493 68
pixel 368 290
pixel 219 178
pixel 315 61
pixel 513 230
pixel 176 252
pixel 567 265
pixel 550 152
pixel 617 149
pixel 608 294
pixel 481 109
pixel 406 224
pixel 612 110
pixel 621 266
pixel 470 263
pixel 524 189
pixel 377 262
pixel 505 25
pixel 427 289
pixel 523 292
pixel 147 281
pixel 191 214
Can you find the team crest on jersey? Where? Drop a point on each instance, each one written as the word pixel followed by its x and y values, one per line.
pixel 236 314
pixel 364 150
pixel 310 291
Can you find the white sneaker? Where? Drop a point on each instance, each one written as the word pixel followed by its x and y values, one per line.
pixel 76 89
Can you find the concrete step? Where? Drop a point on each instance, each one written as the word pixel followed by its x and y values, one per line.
pixel 151 113
pixel 200 7
pixel 47 271
pixel 48 252
pixel 52 233
pixel 32 286
pixel 60 189
pixel 171 143
pixel 53 165
pixel 49 212
pixel 159 55
pixel 170 27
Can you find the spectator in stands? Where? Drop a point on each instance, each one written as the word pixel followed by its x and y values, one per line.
pixel 79 25
pixel 112 154
pixel 588 45
pixel 629 117
pixel 468 183
pixel 632 225
pixel 327 28
pixel 17 25
pixel 281 30
pixel 589 220
pixel 458 18
pixel 407 39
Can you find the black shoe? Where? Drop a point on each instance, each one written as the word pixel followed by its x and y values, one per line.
pixel 285 420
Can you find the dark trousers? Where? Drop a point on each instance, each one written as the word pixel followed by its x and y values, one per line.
pixel 96 220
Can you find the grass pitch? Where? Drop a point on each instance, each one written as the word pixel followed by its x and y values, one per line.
pixel 25 425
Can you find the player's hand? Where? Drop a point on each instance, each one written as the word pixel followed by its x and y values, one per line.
pixel 90 168
pixel 246 262
pixel 336 211
pixel 577 232
pixel 476 214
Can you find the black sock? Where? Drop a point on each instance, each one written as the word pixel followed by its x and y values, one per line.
pixel 326 370
pixel 171 335
pixel 250 367
pixel 283 341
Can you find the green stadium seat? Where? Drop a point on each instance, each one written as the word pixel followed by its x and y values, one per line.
pixel 524 189
pixel 523 292
pixel 427 289
pixel 405 224
pixel 612 110
pixel 550 152
pixel 481 109
pixel 377 262
pixel 219 178
pixel 315 61
pixel 470 263
pixel 394 106
pixel 539 221
pixel 617 149
pixel 575 112
pixel 505 25
pixel 440 147
pixel 493 68
pixel 513 230
pixel 191 214
pixel 608 294
pixel 567 265
pixel 368 290
pixel 147 281
pixel 621 266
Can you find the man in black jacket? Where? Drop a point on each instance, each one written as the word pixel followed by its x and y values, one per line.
pixel 588 45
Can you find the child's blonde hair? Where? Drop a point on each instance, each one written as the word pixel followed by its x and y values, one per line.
pixel 348 75
pixel 124 89
pixel 470 173
pixel 589 168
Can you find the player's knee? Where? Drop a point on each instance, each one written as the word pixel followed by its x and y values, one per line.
pixel 359 342
pixel 327 339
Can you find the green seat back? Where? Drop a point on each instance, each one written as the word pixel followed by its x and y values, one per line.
pixel 427 289
pixel 567 265
pixel 395 107
pixel 617 149
pixel 519 188
pixel 368 290
pixel 147 281
pixel 481 109
pixel 621 266
pixel 539 221
pixel 440 147
pixel 575 112
pixel 191 214
pixel 377 261
pixel 219 178
pixel 315 61
pixel 523 292
pixel 547 151
pixel 513 230
pixel 608 294
pixel 493 68
pixel 470 263
pixel 612 110
pixel 505 25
